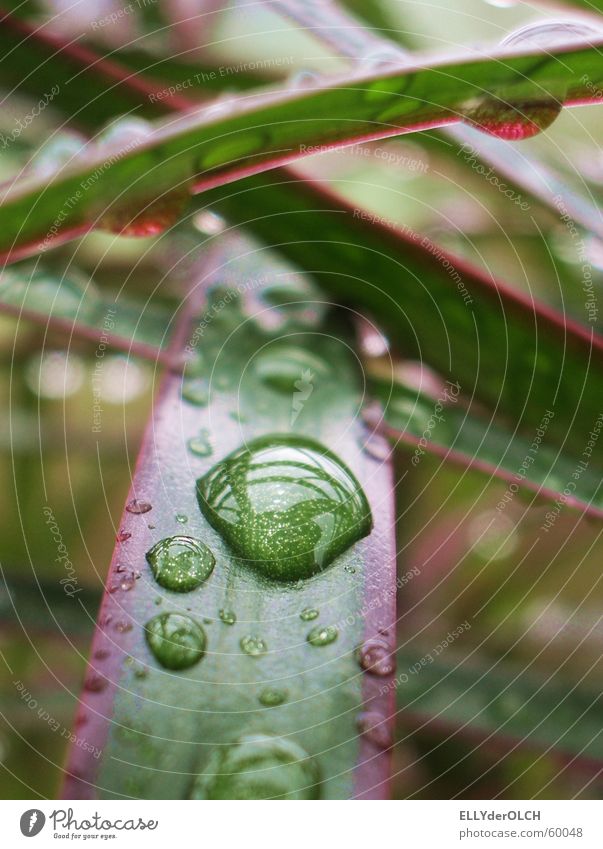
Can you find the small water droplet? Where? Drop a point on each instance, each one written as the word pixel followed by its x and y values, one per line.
pixel 181 563
pixel 227 616
pixel 141 672
pixel 308 614
pixel 375 728
pixel 127 581
pixel 375 657
pixel 303 79
pixel 272 697
pixel 376 447
pixel 101 654
pixel 384 58
pixel 158 600
pixel 123 627
pixel 259 766
pixel 181 518
pixel 200 445
pixel 195 392
pixel 322 635
pixel 208 223
pixel 64 149
pixel 285 504
pixel 351 570
pixel 136 506
pixel 95 683
pixel 122 536
pixel 253 646
pixel 177 641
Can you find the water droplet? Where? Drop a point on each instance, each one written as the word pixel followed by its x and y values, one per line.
pixel 259 766
pixel 376 447
pixel 285 504
pixel 208 223
pixel 375 728
pixel 303 79
pixel 56 153
pixel 387 57
pixel 376 657
pixel 137 506
pixel 101 654
pixel 148 217
pixel 123 627
pixel 271 697
pixel 254 646
pixel 200 445
pixel 227 616
pixel 308 614
pixel 351 570
pixel 141 672
pixel 287 369
pixel 127 581
pixel 550 34
pixel 158 600
pixel 322 635
pixel 95 683
pixel 124 132
pixel 122 536
pixel 181 563
pixel 181 518
pixel 195 392
pixel 177 641
pixel 512 122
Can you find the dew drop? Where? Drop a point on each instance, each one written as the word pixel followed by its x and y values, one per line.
pixel 195 392
pixel 200 445
pixel 137 506
pixel 253 646
pixel 177 641
pixel 95 683
pixel 375 728
pixel 181 563
pixel 308 614
pixel 512 122
pixel 272 697
pixel 322 635
pixel 375 657
pixel 286 505
pixel 259 766
pixel 228 617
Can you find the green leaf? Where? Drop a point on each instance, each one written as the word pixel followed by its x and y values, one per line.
pixel 499 704
pixel 268 668
pixel 516 356
pixel 75 306
pixel 257 131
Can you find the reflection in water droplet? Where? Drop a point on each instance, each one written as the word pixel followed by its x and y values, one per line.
pixel 512 122
pixel 181 563
pixel 375 728
pixel 259 766
pixel 177 641
pixel 285 504
pixel 308 614
pixel 375 656
pixel 271 697
pixel 351 570
pixel 254 646
pixel 227 616
pixel 137 506
pixel 322 635
pixel 200 445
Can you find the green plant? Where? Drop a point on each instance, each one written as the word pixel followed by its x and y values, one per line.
pixel 315 349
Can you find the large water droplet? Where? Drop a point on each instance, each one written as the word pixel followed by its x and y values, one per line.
pixel 181 563
pixel 285 504
pixel 375 656
pixel 272 697
pixel 253 646
pixel 177 641
pixel 322 635
pixel 259 766
pixel 512 122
